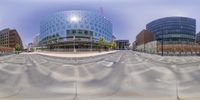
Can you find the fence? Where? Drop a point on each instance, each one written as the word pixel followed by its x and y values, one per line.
pixel 6 51
pixel 179 49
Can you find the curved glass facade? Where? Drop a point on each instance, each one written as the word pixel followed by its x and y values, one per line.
pixel 173 30
pixel 76 24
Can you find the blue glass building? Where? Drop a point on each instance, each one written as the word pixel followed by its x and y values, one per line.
pixel 173 30
pixel 76 25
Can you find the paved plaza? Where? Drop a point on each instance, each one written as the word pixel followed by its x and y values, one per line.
pixel 122 75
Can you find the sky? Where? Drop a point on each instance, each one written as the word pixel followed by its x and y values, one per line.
pixel 129 17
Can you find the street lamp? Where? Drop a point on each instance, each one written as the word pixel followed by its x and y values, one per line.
pixel 162 43
pixel 74 39
pixel 74 19
pixel 91 43
pixel 144 43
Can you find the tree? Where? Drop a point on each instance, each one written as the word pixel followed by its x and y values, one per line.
pixel 113 45
pixel 109 45
pixel 17 47
pixel 101 42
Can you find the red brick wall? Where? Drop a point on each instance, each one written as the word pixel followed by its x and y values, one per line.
pixel 5 49
pixel 14 39
pixel 144 37
pixel 179 48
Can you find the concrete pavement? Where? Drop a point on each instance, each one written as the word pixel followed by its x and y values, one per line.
pixel 123 75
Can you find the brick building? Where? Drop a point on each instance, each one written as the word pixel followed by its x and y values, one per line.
pixel 10 38
pixel 144 37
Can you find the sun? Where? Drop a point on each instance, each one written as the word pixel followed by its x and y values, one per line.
pixel 74 19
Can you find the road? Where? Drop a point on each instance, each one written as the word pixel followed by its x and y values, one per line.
pixel 124 75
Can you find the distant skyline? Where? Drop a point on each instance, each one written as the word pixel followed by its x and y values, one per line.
pixel 129 17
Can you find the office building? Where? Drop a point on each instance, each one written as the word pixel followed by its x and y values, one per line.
pixel 122 44
pixel 144 41
pixel 36 40
pixel 75 29
pixel 113 38
pixel 144 37
pixel 173 30
pixel 10 38
pixel 198 38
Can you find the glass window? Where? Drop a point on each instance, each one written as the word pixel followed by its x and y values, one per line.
pixel 86 32
pixel 73 31
pixel 79 31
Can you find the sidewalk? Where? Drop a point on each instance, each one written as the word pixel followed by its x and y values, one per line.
pixel 72 54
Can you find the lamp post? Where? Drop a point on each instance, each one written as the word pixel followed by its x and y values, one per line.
pixel 74 19
pixel 57 42
pixel 162 44
pixel 144 43
pixel 91 43
pixel 74 39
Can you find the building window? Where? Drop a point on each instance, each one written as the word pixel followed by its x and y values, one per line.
pixel 86 32
pixel 73 31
